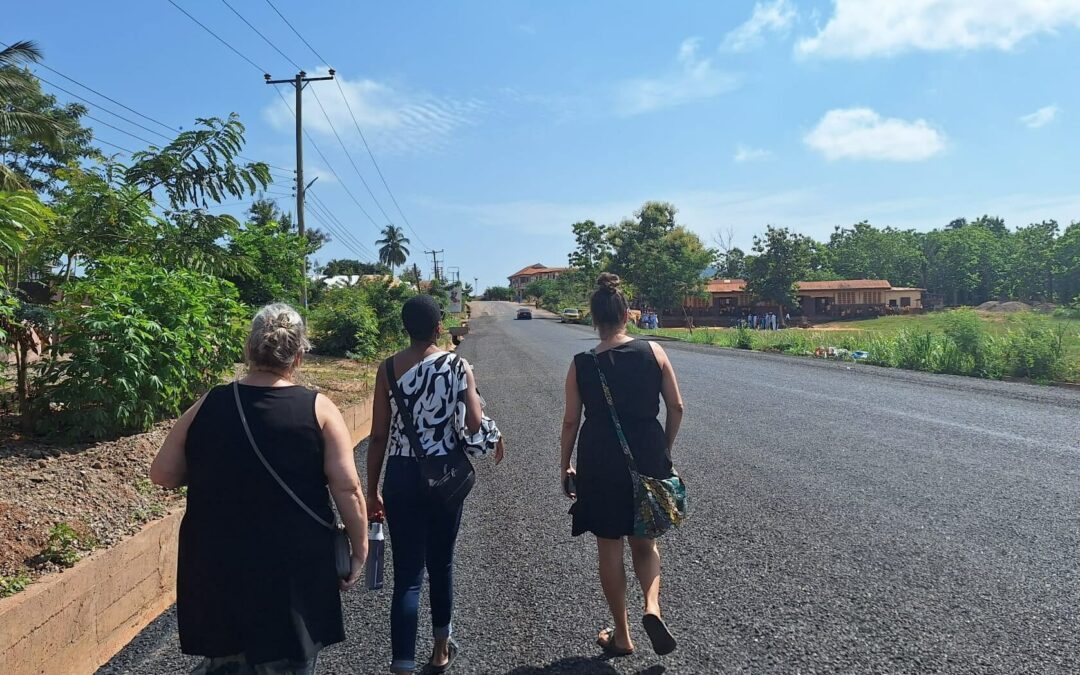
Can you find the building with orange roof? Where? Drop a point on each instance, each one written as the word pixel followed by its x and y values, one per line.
pixel 522 278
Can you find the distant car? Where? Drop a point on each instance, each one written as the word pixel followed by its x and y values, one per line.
pixel 571 315
pixel 524 313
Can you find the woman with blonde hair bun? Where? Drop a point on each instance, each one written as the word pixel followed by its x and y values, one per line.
pixel 257 581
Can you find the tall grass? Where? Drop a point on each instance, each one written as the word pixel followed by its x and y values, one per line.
pixel 1032 347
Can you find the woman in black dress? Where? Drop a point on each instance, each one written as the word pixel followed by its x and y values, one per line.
pixel 638 374
pixel 257 589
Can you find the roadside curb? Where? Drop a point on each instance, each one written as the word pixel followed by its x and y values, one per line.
pixel 74 621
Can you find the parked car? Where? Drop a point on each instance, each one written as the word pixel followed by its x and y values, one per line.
pixel 524 313
pixel 571 315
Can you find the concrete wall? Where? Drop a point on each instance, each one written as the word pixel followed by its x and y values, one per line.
pixel 72 622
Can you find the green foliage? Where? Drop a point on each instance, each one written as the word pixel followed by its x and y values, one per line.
pixel 664 262
pixel 138 343
pixel 865 252
pixel 498 293
pixel 966 353
pixel 744 338
pixel 10 585
pixel 1067 265
pixel 782 260
pixel 392 247
pixel 21 216
pixel 273 255
pixel 592 250
pixel 347 267
pixel 345 323
pixel 64 546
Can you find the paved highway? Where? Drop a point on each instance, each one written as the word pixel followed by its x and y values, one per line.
pixel 844 519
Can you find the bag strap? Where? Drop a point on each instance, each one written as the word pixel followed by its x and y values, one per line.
pixel 614 413
pixel 270 469
pixel 405 412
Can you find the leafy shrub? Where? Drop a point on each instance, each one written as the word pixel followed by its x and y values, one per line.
pixel 1034 348
pixel 64 546
pixel 967 335
pixel 744 338
pixel 138 343
pixel 13 584
pixel 345 323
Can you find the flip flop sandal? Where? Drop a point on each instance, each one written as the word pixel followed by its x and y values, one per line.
pixel 606 641
pixel 452 652
pixel 663 642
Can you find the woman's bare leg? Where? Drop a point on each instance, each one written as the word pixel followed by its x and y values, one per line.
pixel 613 581
pixel 646 558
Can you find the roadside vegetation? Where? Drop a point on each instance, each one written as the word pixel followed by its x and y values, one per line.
pixel 955 342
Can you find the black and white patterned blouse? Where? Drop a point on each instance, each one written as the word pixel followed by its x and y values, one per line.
pixel 435 389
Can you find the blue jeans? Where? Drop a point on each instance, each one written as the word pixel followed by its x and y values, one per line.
pixel 423 531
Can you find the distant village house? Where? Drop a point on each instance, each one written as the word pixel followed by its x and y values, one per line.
pixel 519 280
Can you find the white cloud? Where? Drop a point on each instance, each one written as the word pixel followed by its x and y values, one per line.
pixel 861 133
pixel 776 16
pixel 393 120
pixel 866 28
pixel 1041 117
pixel 693 79
pixel 747 154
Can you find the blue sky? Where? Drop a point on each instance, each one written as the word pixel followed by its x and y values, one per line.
pixel 498 124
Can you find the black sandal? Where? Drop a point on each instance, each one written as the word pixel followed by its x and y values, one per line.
pixel 663 642
pixel 606 641
pixel 451 655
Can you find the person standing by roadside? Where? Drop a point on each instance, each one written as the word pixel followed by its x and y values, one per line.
pixel 444 414
pixel 257 586
pixel 639 374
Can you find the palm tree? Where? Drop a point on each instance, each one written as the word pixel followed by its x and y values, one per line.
pixel 392 247
pixel 14 83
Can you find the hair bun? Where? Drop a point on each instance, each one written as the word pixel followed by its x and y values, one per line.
pixel 608 282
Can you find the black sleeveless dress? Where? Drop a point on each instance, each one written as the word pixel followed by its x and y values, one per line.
pixel 605 494
pixel 256 573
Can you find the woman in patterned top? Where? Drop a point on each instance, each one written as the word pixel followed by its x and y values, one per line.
pixel 440 391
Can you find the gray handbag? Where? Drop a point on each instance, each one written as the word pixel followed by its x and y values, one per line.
pixel 342 548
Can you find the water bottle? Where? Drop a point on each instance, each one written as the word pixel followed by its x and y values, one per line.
pixel 374 566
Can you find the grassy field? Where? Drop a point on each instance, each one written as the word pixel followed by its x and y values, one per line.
pixel 1020 345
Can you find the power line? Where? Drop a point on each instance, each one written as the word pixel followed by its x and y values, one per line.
pixel 101 107
pixel 349 156
pixel 218 37
pixel 257 32
pixel 113 126
pixel 118 147
pixel 363 138
pixel 108 98
pixel 297 33
pixel 329 166
pixel 318 203
pixel 329 221
pixel 376 165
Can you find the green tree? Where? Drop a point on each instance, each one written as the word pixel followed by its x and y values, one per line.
pixel 498 293
pixel 412 275
pixel 731 264
pixel 592 249
pixel 1031 262
pixel 350 267
pixel 1067 265
pixel 664 262
pixel 272 255
pixel 393 249
pixel 20 124
pixel 966 263
pixel 865 252
pixel 782 260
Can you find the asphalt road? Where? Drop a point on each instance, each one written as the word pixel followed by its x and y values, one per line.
pixel 844 519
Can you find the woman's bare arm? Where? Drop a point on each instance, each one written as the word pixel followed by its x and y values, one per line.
pixel 669 390
pixel 169 469
pixel 571 422
pixel 380 434
pixel 474 410
pixel 339 465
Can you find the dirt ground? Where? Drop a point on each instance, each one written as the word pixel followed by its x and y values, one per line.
pixel 102 490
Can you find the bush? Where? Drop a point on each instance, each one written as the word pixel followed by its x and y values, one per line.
pixel 744 338
pixel 13 584
pixel 1035 348
pixel 64 546
pixel 138 344
pixel 965 351
pixel 498 293
pixel 344 323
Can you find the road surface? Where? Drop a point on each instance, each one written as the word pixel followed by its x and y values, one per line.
pixel 844 519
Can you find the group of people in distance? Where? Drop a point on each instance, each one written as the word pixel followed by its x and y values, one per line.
pixel 267 462
pixel 767 321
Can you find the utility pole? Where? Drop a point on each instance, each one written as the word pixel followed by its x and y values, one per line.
pixel 298 83
pixel 434 262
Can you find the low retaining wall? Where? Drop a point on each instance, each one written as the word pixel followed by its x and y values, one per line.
pixel 75 621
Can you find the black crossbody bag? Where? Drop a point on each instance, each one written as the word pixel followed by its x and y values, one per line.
pixel 451 476
pixel 342 547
